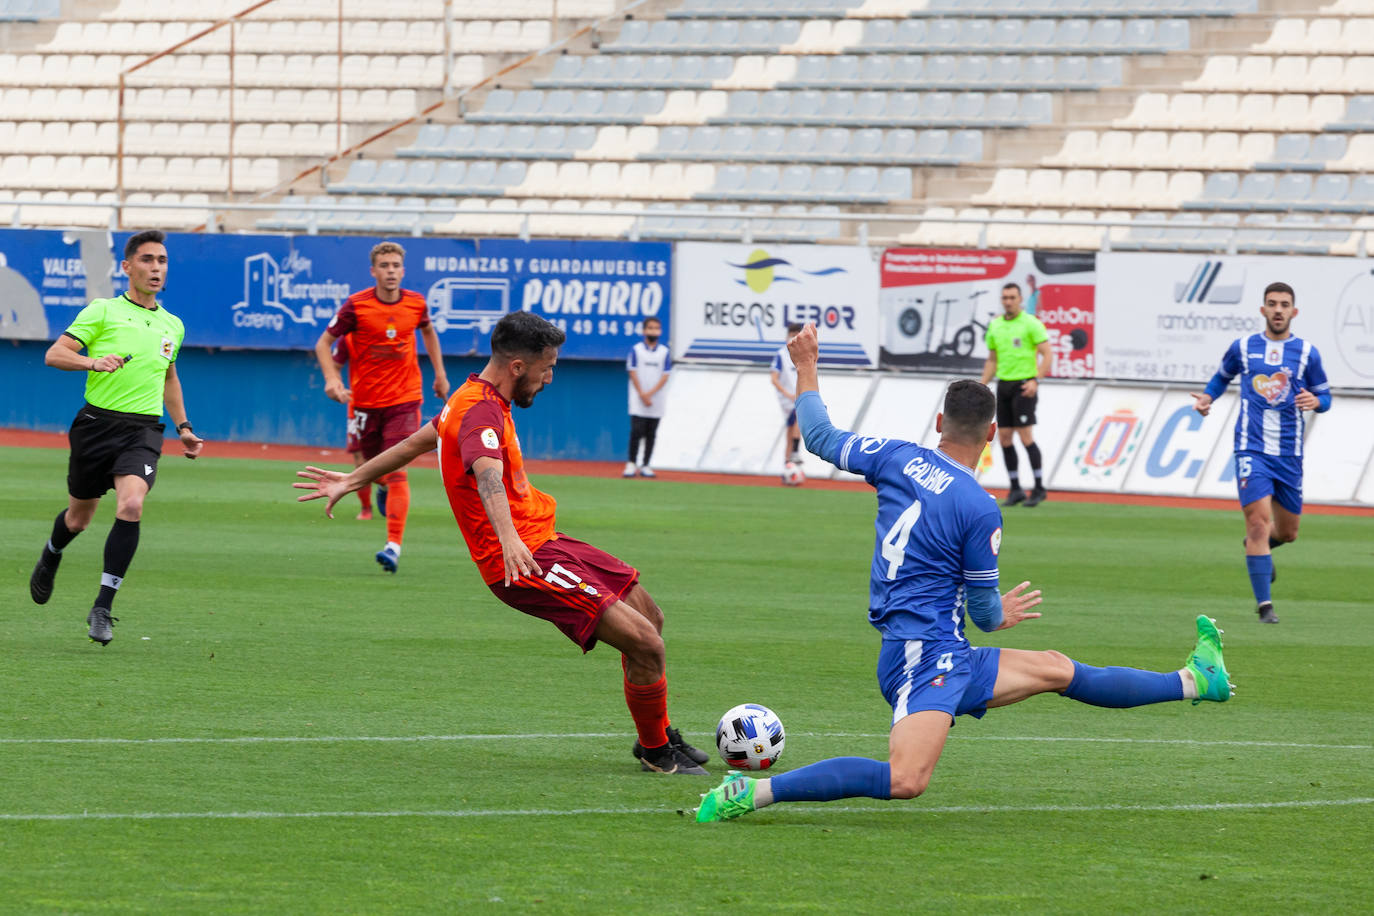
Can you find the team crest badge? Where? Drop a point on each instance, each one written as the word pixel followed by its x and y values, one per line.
pixel 939 681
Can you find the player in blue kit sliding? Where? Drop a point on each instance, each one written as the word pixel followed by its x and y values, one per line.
pixel 938 535
pixel 1280 377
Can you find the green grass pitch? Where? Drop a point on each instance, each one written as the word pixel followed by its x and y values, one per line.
pixel 280 727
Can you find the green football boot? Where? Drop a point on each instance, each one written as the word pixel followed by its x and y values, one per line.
pixel 732 798
pixel 1209 671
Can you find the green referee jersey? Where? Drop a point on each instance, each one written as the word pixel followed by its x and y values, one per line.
pixel 1014 341
pixel 120 326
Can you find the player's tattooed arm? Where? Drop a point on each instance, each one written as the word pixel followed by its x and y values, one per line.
pixel 519 560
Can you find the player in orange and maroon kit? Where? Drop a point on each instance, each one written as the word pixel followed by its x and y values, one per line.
pixel 510 530
pixel 343 352
pixel 387 389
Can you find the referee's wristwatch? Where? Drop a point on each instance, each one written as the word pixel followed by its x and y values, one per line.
pixel 186 425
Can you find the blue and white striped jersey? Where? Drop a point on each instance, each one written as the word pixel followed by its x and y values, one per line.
pixel 1272 372
pixel 938 530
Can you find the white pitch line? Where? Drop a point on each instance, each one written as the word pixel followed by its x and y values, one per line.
pixel 577 812
pixel 404 739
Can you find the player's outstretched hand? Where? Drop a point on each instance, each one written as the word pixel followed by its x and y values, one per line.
pixel 1202 403
pixel 804 347
pixel 1015 604
pixel 322 484
pixel 519 561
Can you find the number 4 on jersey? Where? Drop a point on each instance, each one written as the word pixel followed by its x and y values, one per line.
pixel 894 542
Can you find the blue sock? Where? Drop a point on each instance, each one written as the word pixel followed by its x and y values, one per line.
pixel 838 777
pixel 1121 688
pixel 1261 569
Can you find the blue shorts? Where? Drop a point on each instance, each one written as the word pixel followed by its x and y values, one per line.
pixel 1259 475
pixel 955 678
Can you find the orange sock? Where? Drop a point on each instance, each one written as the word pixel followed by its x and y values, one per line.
pixel 649 708
pixel 365 497
pixel 397 505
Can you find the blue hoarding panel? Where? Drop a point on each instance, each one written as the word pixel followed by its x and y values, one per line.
pixel 280 292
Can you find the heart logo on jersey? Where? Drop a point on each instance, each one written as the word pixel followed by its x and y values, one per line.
pixel 1272 388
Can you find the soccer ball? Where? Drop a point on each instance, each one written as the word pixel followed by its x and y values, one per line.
pixel 750 737
pixel 792 475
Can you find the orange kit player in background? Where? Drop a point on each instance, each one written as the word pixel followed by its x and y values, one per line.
pixel 387 389
pixel 343 352
pixel 509 528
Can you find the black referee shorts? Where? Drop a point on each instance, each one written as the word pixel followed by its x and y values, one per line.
pixel 107 444
pixel 1014 408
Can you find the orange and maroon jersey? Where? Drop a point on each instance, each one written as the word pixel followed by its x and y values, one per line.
pixel 477 422
pixel 385 368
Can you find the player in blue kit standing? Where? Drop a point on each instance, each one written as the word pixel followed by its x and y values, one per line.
pixel 1280 377
pixel 938 536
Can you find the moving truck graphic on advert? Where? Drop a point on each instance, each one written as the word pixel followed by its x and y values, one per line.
pixel 462 303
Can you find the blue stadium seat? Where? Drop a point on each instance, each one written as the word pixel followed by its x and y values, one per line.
pixel 359 176
pixel 871 106
pixel 1071 34
pixel 633 32
pixel 509 174
pixel 459 139
pixel 795 181
pixel 775 104
pixel 599 69
pixel 942 69
pixel 1105 71
pixel 1172 35
pixel 905 107
pixel 1071 71
pixel 429 141
pixel 768 141
pixel 481 177
pixel 874 70
pixel 843 70
pixel 1218 191
pixel 828 181
pixel 1256 188
pixel 1359 114
pixel 1329 192
pixel 975 34
pixel 866 143
pixel 1105 35
pixel 899 144
pixel 688 70
pixel 837 105
pixel 1036 108
pixel 931 145
pixel 762 182
pixel 549 139
pixel 938 33
pixel 737 142
pixel 530 102
pixel 1006 35
pixel 827 143
pixel 672 140
pixel 730 180
pixel 449 177
pixel 812 70
pixel 488 140
pixel 519 139
pixel 881 33
pixel 718 67
pixel 498 102
pixel 1326 148
pixel 895 183
pixel 966 146
pixel 1038 35
pixel 703 141
pixel 587 104
pixel 656 70
pixel 742 104
pixel 1290 190
pixel 419 177
pixel 968 107
pixel 721 35
pixel 861 183
pixel 908 69
pixel 567 68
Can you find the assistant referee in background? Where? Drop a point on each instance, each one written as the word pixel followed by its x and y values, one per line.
pixel 1019 354
pixel 131 345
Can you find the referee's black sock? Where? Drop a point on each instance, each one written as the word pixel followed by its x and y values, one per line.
pixel 61 534
pixel 1033 453
pixel 1009 457
pixel 119 553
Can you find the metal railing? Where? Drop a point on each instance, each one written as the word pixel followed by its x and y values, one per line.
pixel 230 25
pixel 737 224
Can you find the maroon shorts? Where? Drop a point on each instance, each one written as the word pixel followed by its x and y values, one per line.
pixel 579 583
pixel 379 428
pixel 353 443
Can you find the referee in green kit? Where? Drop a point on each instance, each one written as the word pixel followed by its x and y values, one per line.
pixel 1019 354
pixel 131 345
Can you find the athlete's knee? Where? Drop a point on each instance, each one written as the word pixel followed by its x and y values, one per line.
pixel 130 508
pixel 909 783
pixel 1057 670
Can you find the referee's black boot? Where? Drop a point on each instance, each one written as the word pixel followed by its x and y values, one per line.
pixel 1014 496
pixel 102 625
pixel 1037 496
pixel 40 583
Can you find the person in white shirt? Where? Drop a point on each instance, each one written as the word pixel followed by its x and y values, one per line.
pixel 648 366
pixel 784 376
